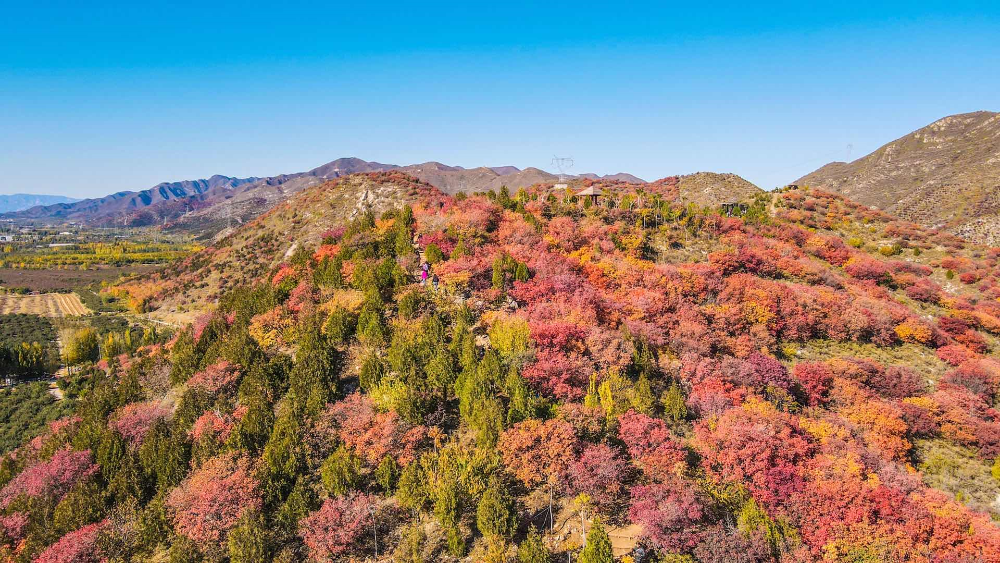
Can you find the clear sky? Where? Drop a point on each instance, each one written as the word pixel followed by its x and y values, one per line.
pixel 97 97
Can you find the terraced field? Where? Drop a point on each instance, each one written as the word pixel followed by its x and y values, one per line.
pixel 44 304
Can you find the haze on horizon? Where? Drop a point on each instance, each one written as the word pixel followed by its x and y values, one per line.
pixel 99 98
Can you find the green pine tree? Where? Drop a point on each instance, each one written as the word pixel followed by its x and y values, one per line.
pixel 433 254
pixel 248 540
pixel 532 549
pixel 642 396
pixel 674 408
pixel 495 516
pixel 387 473
pixel 598 548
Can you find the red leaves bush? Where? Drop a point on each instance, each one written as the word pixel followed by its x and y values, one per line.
pixel 668 513
pixel 79 546
pixel 372 434
pixel 213 498
pixel 135 420
pixel 651 445
pixel 868 269
pixel 218 377
pixel 52 478
pixel 601 473
pixel 337 526
pixel 756 445
pixel 538 451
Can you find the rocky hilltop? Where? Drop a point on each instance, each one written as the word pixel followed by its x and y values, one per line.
pixel 945 175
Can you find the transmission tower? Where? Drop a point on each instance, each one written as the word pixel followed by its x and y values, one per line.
pixel 562 164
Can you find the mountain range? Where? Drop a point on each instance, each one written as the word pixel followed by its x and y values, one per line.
pixel 19 202
pixel 205 201
pixel 945 175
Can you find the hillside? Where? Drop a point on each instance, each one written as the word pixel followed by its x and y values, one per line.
pixel 243 255
pixel 18 202
pixel 812 381
pixel 945 175
pixel 710 189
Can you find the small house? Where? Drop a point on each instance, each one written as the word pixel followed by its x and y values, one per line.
pixel 592 192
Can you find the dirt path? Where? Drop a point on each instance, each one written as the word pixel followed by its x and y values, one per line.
pixel 63 371
pixel 624 540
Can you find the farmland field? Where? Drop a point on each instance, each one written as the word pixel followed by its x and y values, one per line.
pixel 44 304
pixel 69 278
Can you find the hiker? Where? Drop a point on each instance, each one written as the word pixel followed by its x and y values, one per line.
pixel 423 277
pixel 434 282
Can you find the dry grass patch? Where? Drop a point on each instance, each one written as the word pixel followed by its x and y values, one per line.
pixel 43 304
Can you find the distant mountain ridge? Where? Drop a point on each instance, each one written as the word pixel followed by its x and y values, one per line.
pixel 20 202
pixel 945 175
pixel 122 204
pixel 231 198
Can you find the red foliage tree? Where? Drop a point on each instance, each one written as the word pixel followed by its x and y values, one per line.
pixel 372 434
pixel 668 513
pixel 651 445
pixel 815 379
pixel 135 420
pixel 760 371
pixel 51 478
pixel 79 546
pixel 212 423
pixel 218 377
pixel 755 445
pixel 538 451
pixel 213 498
pixel 336 527
pixel 600 472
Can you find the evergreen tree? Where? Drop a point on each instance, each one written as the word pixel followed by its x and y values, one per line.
pixel 341 472
pixel 460 250
pixel 340 326
pixel 521 273
pixel 252 432
pixel 598 548
pixel 184 358
pixel 433 254
pixel 371 373
pixel 495 515
pixel 328 273
pixel 81 506
pixel 248 540
pixel 674 408
pixel 300 502
pixel 642 396
pixel 403 244
pixel 411 547
pixel 313 379
pixel 519 398
pixel 387 473
pixel 411 491
pixel 283 457
pixel 371 327
pixel 532 549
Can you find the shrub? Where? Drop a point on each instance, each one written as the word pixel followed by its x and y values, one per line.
pixel 433 254
pixel 213 499
pixel 337 526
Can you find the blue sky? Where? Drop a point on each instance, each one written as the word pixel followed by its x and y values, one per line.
pixel 101 97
